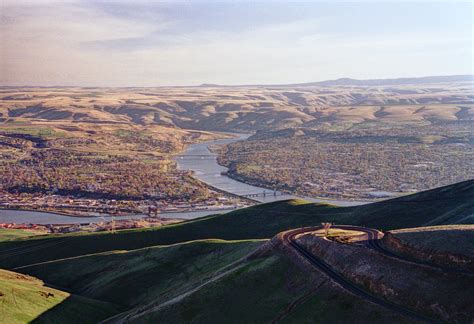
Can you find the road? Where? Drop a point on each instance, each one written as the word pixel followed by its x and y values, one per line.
pixel 321 265
pixel 373 242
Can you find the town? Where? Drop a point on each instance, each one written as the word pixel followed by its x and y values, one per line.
pixel 72 206
pixel 361 164
pixel 109 225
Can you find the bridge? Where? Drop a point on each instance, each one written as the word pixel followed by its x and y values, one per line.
pixel 264 194
pixel 195 156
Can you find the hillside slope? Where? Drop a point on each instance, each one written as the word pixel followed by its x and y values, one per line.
pixel 452 204
pixel 25 298
pixel 285 292
pixel 145 275
pixel 244 108
pixel 447 245
pixel 294 291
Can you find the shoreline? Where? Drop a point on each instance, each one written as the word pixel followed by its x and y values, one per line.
pixel 55 212
pixel 92 214
pixel 65 214
pixel 205 175
pixel 256 183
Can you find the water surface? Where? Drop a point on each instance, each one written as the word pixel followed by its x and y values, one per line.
pixel 196 158
pixel 36 217
pixel 203 162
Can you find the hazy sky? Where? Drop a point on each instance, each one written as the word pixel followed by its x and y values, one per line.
pixel 151 43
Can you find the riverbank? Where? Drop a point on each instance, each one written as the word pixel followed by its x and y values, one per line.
pixel 8 216
pixel 72 227
pixel 118 215
pixel 255 182
pixel 49 211
pixel 199 159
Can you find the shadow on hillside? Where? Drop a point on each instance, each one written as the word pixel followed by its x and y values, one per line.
pixel 76 309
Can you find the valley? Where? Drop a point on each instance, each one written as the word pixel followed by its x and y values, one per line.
pixel 208 204
pixel 112 150
pixel 97 170
pixel 236 162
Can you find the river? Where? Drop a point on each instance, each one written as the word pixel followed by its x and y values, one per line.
pixel 203 163
pixel 196 158
pixel 36 217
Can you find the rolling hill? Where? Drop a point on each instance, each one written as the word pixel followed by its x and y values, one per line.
pixel 207 270
pixel 247 108
pixel 25 299
pixel 446 205
pixel 144 274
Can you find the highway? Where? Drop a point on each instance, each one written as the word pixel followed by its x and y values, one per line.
pixel 321 265
pixel 373 242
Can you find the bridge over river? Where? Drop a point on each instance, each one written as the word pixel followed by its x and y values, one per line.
pixel 264 194
pixel 197 158
pixel 203 163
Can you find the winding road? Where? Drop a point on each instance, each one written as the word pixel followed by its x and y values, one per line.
pixel 373 242
pixel 290 239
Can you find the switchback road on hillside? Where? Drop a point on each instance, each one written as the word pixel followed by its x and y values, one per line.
pixel 373 242
pixel 289 238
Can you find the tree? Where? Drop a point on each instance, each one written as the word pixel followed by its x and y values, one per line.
pixel 326 227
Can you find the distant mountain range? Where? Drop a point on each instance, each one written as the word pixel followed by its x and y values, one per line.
pixel 247 109
pixel 370 82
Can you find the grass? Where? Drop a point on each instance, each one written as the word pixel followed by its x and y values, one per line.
pixel 268 275
pixel 457 239
pixel 131 278
pixel 35 131
pixel 127 133
pixel 24 299
pixel 132 267
pixel 446 205
pixel 135 267
pixel 338 232
pixel 453 204
pixel 7 234
pixel 235 299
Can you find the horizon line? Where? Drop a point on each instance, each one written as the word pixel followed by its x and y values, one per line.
pixel 211 85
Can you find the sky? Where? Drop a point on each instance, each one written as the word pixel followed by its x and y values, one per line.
pixel 160 43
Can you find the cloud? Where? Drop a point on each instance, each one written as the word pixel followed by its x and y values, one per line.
pixel 162 43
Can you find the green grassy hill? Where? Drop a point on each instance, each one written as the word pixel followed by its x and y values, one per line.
pixel 262 290
pixel 452 204
pixel 10 234
pixel 24 299
pixel 206 281
pixel 174 273
pixel 456 239
pixel 451 246
pixel 130 278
